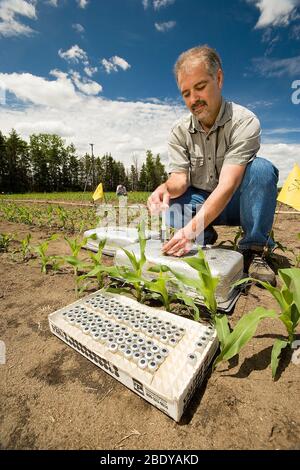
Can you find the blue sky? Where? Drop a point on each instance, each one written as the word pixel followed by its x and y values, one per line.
pixel 101 70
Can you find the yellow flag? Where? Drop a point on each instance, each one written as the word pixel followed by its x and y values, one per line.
pixel 98 194
pixel 290 192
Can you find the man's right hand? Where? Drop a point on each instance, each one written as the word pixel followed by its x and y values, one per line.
pixel 159 200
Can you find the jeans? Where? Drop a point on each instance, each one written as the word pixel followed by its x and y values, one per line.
pixel 252 207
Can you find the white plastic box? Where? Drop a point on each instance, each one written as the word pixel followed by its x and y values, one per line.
pixel 116 237
pixel 179 364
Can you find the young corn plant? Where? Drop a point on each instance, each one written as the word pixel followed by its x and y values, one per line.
pixel 99 270
pixel 134 275
pixel 26 248
pixel 234 242
pixel 161 287
pixel 288 299
pixel 205 286
pixel 46 260
pixel 63 217
pixel 5 239
pixel 78 265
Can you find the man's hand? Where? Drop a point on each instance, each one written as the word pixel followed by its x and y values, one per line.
pixel 159 200
pixel 180 244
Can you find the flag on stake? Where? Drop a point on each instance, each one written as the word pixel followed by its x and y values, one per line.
pixel 290 192
pixel 98 194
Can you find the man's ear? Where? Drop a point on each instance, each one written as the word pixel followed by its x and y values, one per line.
pixel 220 78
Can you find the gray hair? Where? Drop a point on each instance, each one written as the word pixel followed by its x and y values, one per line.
pixel 199 54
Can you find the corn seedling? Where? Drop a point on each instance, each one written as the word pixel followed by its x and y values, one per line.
pixel 234 242
pixel 160 286
pixel 5 239
pixel 63 216
pixel 26 247
pixel 205 286
pixel 99 270
pixel 46 260
pixel 288 299
pixel 134 276
pixel 78 265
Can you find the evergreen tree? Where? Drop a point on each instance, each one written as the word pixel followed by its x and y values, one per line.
pixel 18 164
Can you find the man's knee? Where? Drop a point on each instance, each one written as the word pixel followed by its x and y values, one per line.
pixel 263 170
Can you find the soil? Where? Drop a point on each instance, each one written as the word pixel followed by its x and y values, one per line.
pixel 54 398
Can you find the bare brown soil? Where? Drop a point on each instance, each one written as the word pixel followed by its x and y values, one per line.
pixel 53 398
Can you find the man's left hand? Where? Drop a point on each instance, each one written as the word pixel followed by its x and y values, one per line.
pixel 179 245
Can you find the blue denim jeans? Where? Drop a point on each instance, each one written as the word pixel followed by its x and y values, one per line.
pixel 252 207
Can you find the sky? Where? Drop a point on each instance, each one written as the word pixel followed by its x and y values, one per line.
pixel 100 71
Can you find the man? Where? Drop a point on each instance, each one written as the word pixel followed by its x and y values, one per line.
pixel 121 190
pixel 214 174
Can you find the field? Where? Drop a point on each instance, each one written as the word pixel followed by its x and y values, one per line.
pixel 53 398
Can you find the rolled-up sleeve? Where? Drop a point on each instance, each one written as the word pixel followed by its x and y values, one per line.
pixel 244 142
pixel 179 161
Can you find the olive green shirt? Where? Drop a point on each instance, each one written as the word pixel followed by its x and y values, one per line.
pixel 234 138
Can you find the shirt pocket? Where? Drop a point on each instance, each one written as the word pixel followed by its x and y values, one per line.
pixel 197 160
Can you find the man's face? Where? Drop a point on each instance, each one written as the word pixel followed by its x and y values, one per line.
pixel 201 92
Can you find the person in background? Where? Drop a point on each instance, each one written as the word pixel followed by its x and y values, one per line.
pixel 121 190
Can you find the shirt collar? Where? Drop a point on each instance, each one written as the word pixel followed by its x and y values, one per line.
pixel 223 116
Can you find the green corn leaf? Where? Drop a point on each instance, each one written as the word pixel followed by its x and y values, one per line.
pixel 132 258
pixel 184 279
pixel 291 278
pixel 222 327
pixel 278 346
pixel 189 302
pixel 74 261
pixel 159 286
pixel 143 241
pixel 243 332
pixel 273 290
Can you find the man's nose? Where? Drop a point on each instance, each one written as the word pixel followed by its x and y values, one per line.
pixel 194 96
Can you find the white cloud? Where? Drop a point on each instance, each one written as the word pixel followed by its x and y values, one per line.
pixel 54 3
pixel 284 156
pixel 114 126
pixel 115 62
pixel 39 91
pixel 85 85
pixel 163 27
pixel 278 67
pixel 78 28
pixel 9 25
pixel 145 4
pixel 74 54
pixel 47 127
pixel 259 104
pixel 82 3
pixel 157 4
pixel 275 12
pixel 282 130
pixel 90 71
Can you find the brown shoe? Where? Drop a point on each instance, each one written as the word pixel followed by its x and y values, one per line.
pixel 260 270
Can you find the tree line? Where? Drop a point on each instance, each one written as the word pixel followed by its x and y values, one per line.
pixel 47 164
